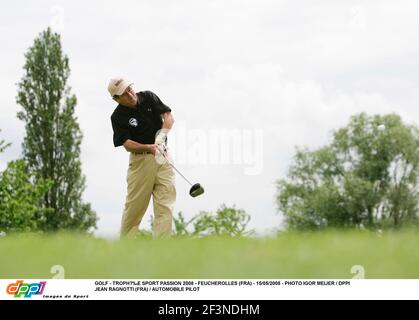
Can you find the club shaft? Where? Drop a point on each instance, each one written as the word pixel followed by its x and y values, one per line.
pixel 164 155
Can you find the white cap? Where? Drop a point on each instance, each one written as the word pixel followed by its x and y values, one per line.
pixel 117 86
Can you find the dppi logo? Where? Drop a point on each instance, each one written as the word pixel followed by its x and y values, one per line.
pixel 27 290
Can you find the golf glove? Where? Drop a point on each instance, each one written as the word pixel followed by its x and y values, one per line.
pixel 161 138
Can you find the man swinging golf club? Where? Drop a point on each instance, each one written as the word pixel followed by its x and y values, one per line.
pixel 135 122
pixel 141 123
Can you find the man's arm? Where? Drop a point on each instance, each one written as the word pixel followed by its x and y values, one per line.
pixel 133 146
pixel 168 120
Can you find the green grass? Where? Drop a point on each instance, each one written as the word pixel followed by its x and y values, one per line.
pixel 290 255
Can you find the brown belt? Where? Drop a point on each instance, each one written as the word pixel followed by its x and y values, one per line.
pixel 142 152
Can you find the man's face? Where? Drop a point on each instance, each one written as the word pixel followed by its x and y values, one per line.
pixel 128 98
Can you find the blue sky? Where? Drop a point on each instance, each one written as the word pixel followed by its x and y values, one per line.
pixel 271 74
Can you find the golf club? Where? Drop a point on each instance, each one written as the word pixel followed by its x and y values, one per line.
pixel 196 189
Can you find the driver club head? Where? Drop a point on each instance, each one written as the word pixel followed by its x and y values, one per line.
pixel 196 190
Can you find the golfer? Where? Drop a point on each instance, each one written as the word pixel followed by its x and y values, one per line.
pixel 141 123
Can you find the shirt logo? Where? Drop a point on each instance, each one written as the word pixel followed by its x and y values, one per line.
pixel 133 122
pixel 149 109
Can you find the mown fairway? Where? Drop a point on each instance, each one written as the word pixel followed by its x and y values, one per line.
pixel 291 255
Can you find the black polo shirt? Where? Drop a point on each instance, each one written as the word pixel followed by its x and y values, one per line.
pixel 139 124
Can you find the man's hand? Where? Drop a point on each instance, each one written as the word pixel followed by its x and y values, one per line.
pixel 156 149
pixel 133 146
pixel 153 148
pixel 160 152
pixel 161 138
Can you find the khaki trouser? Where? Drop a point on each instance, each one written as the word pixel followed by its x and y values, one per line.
pixel 146 177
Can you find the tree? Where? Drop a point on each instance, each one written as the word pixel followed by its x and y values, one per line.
pixel 20 198
pixel 227 221
pixel 3 145
pixel 366 177
pixel 51 146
